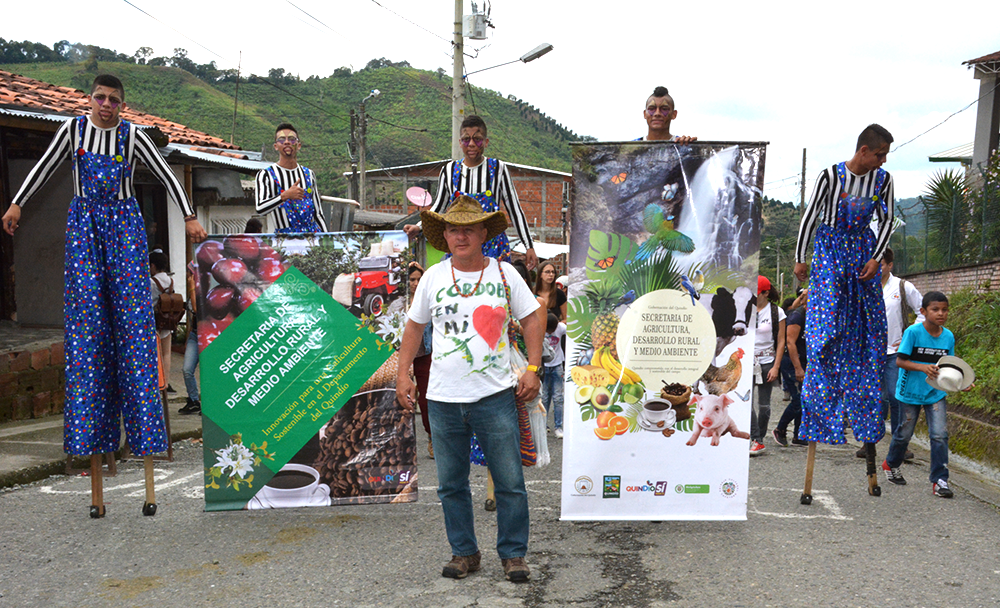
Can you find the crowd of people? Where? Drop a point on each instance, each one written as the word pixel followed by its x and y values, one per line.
pixel 842 359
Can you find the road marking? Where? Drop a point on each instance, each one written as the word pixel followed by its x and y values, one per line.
pixel 31 428
pixel 164 486
pixel 822 498
pixel 158 475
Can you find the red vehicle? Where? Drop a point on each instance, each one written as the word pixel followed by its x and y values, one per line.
pixel 372 287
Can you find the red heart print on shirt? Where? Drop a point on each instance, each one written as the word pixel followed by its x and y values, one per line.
pixel 488 322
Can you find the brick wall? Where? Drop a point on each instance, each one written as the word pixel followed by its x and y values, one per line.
pixel 32 383
pixel 980 278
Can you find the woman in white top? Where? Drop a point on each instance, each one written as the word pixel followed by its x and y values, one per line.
pixel 769 346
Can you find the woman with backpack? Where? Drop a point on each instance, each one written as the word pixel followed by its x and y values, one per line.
pixel 769 345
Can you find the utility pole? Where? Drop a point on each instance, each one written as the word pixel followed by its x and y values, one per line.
pixel 802 185
pixel 352 150
pixel 457 83
pixel 363 128
pixel 236 97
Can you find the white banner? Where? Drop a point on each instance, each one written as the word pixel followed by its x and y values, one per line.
pixel 663 265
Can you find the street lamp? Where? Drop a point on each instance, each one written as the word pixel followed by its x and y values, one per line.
pixel 777 265
pixel 531 55
pixel 458 79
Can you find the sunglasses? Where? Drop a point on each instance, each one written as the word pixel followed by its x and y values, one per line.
pixel 288 140
pixel 651 110
pixel 101 98
pixel 465 141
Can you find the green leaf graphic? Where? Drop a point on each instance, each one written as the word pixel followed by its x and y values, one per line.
pixel 608 253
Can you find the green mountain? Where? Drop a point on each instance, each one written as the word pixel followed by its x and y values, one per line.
pixel 410 122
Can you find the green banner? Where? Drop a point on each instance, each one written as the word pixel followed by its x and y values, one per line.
pixel 286 366
pixel 297 339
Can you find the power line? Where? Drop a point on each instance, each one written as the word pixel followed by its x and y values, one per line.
pixel 952 115
pixel 315 19
pixel 436 35
pixel 303 100
pixel 385 122
pixel 175 29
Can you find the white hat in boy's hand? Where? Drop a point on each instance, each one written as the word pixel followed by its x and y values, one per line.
pixel 953 375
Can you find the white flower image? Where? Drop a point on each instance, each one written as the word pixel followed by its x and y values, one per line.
pixel 237 458
pixel 390 327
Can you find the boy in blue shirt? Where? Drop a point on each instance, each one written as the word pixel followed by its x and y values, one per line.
pixel 923 344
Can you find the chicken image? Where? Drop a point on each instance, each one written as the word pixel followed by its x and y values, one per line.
pixel 721 380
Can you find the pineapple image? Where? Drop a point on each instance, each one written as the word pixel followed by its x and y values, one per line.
pixel 603 296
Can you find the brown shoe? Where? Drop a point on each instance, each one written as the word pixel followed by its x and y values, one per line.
pixel 516 570
pixel 461 565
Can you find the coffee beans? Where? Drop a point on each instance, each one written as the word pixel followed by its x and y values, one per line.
pixel 368 451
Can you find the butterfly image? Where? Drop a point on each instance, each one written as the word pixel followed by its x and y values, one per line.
pixel 607 262
pixel 619 179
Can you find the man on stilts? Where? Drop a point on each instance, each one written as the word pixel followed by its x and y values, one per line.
pixel 111 355
pixel 846 330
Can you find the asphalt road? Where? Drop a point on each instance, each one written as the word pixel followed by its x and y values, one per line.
pixel 905 548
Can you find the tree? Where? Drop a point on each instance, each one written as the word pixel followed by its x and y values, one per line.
pixel 142 54
pixel 946 201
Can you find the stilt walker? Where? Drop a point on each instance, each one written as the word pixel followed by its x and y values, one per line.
pixel 111 357
pixel 846 327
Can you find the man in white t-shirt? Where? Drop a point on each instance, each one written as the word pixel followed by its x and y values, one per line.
pixel 467 299
pixel 901 299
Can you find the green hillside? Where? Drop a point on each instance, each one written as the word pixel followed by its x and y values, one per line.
pixel 409 122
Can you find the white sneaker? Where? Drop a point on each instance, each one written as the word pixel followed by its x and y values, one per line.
pixel 559 433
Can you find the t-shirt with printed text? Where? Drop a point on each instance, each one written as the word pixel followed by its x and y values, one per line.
pixel 921 347
pixel 471 353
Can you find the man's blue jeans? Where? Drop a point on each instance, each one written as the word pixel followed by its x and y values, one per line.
pixel 937 428
pixel 553 383
pixel 890 373
pixel 190 363
pixel 494 421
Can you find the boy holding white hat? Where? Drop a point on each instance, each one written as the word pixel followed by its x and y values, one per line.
pixel 928 369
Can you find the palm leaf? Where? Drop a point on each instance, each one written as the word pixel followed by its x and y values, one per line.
pixel 608 253
pixel 652 274
pixel 580 317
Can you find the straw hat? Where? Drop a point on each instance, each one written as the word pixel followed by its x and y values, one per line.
pixel 465 211
pixel 953 375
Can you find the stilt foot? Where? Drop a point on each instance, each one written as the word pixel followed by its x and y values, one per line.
pixel 97 512
pixel 873 488
pixel 806 499
pixel 149 509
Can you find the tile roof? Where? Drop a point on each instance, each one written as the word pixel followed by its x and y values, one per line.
pixel 983 59
pixel 20 92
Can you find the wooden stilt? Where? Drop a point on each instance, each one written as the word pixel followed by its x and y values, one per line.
pixel 806 497
pixel 873 487
pixel 96 487
pixel 149 508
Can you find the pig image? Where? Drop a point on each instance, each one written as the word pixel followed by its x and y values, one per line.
pixel 712 418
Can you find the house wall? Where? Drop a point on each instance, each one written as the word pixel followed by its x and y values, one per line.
pixel 39 247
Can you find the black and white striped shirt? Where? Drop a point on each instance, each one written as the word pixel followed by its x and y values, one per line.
pixel 269 195
pixel 102 141
pixel 473 181
pixel 824 204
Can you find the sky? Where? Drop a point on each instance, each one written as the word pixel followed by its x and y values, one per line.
pixel 794 74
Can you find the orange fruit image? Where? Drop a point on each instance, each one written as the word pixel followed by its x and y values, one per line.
pixel 605 432
pixel 604 418
pixel 619 424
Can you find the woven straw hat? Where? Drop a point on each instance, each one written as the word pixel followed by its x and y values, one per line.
pixel 465 211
